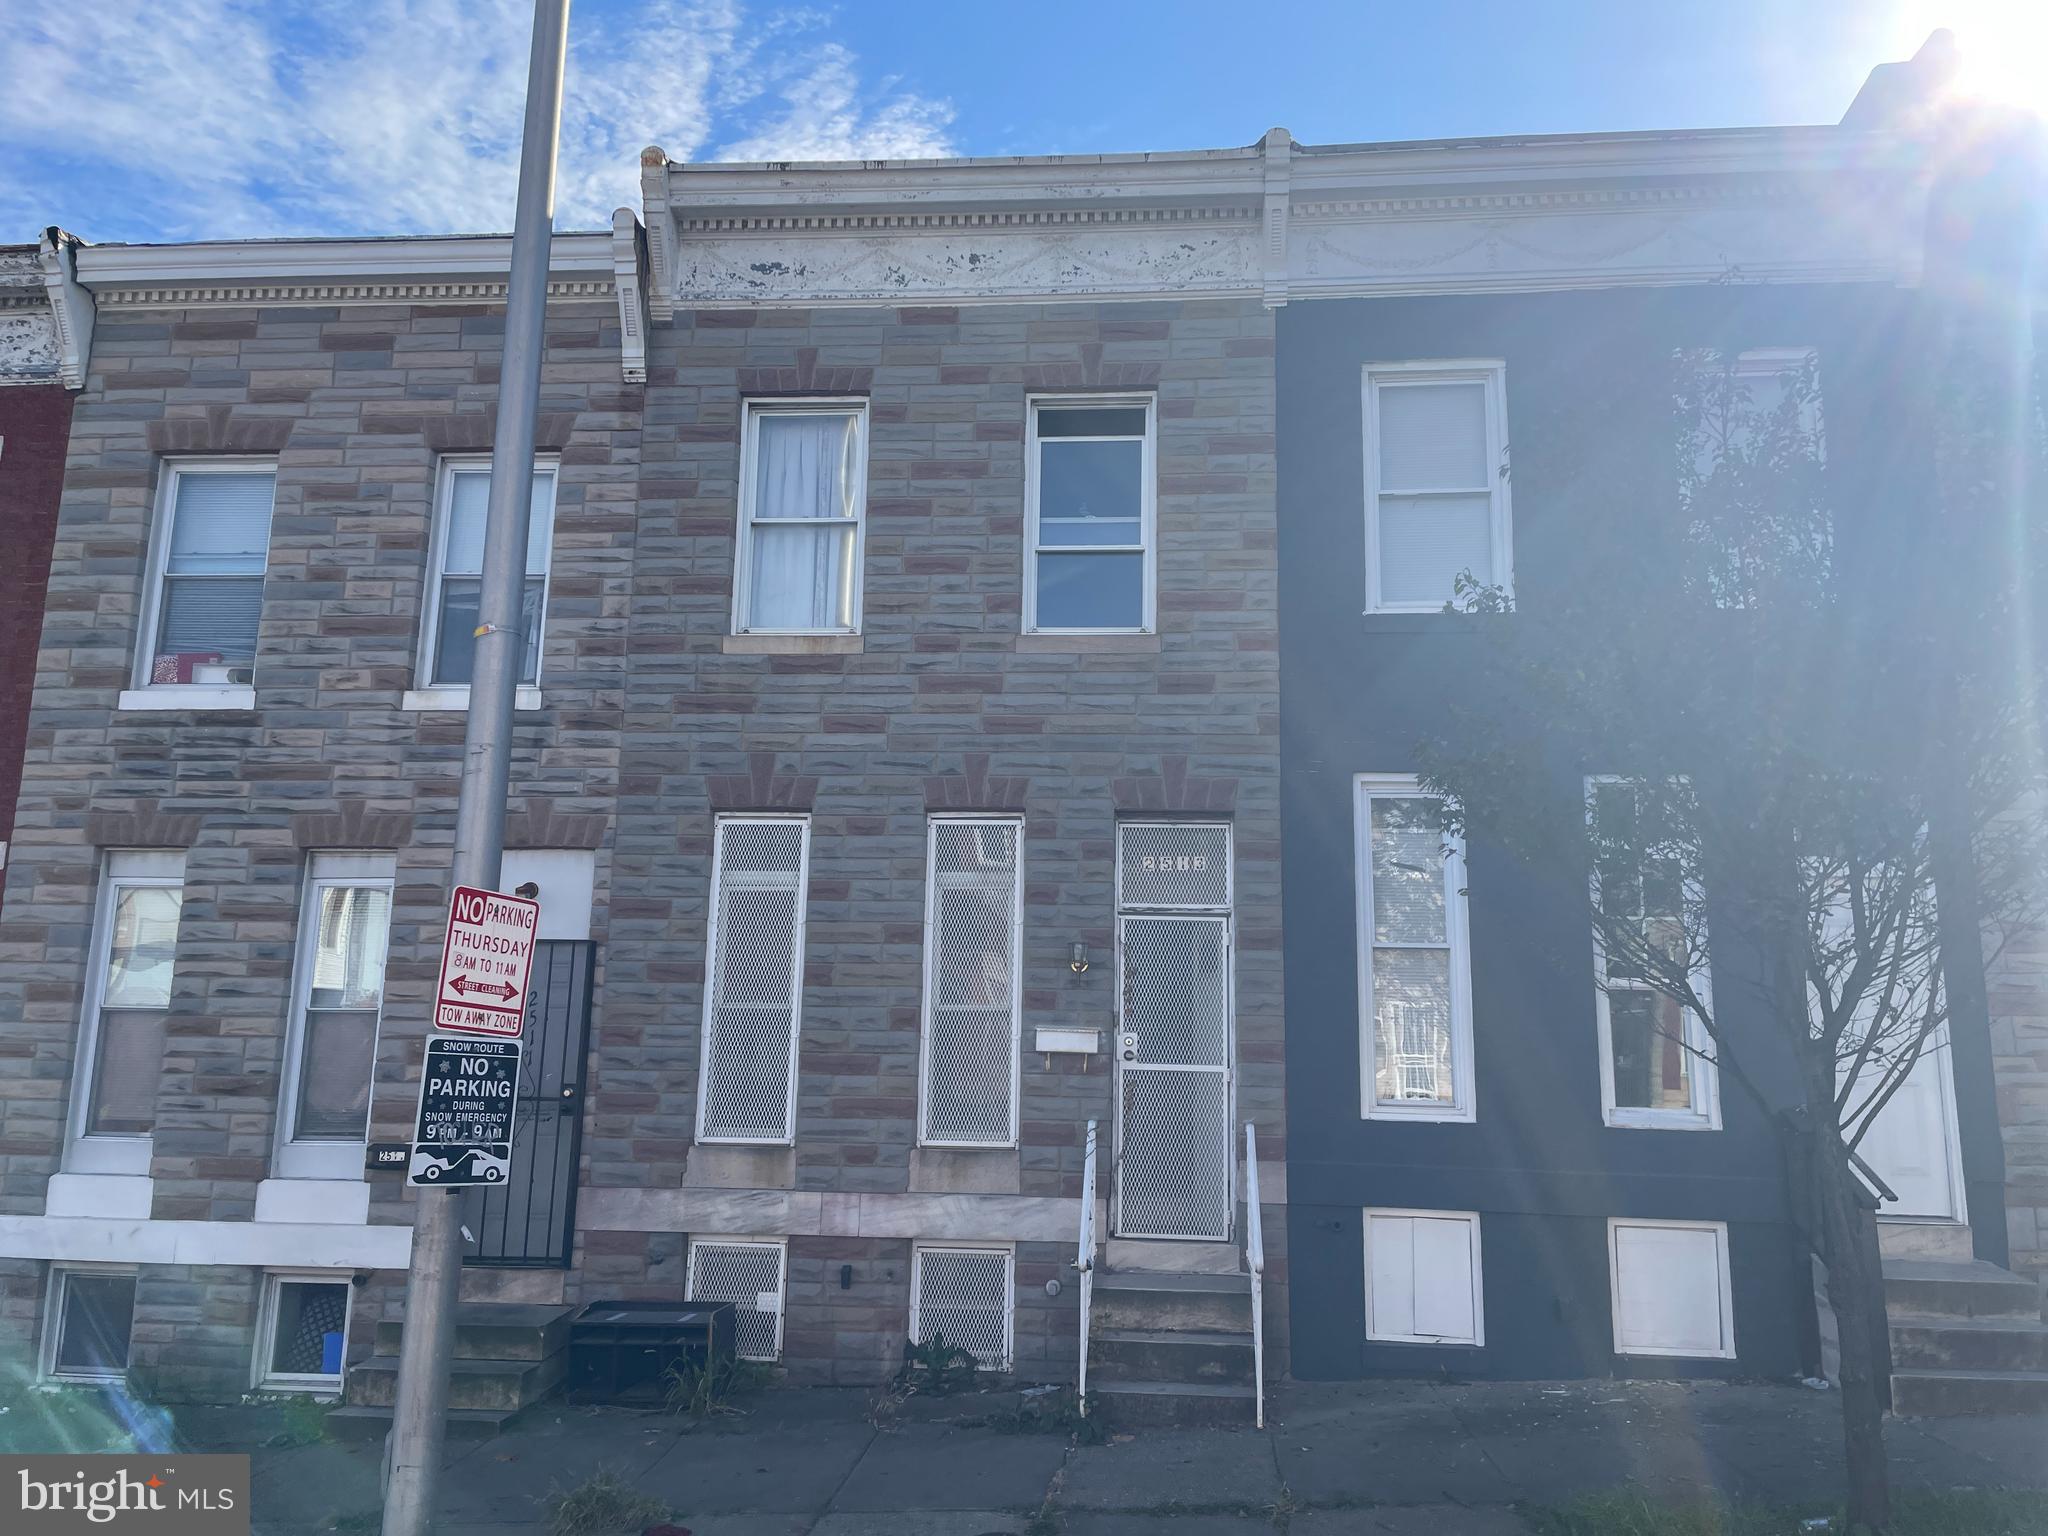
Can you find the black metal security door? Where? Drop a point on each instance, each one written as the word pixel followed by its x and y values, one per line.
pixel 529 1221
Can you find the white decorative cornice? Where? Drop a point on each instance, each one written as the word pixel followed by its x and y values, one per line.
pixel 629 277
pixel 202 295
pixel 1286 221
pixel 71 306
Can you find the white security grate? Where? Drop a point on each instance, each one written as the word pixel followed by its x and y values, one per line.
pixel 752 992
pixel 1174 1164
pixel 964 1295
pixel 1173 864
pixel 750 1276
pixel 973 935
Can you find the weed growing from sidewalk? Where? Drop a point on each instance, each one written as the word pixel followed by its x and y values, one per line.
pixel 698 1390
pixel 1963 1512
pixel 935 1368
pixel 1051 1413
pixel 603 1504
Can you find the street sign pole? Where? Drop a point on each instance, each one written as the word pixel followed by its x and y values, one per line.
pixel 426 1347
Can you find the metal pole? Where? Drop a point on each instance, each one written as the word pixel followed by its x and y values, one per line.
pixel 427 1344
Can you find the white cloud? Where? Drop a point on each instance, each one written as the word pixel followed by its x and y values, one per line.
pixel 180 119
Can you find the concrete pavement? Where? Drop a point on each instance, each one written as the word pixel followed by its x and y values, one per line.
pixel 1389 1458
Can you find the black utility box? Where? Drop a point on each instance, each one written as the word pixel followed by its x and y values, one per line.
pixel 621 1351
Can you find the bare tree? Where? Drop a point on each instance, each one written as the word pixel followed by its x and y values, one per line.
pixel 1793 756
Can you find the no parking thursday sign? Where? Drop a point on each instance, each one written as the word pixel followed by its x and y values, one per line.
pixel 486 963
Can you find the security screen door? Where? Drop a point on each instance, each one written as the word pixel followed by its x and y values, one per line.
pixel 1174 1169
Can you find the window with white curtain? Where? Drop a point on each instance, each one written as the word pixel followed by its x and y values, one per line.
pixel 337 1000
pixel 803 492
pixel 1414 962
pixel 1089 512
pixel 127 1006
pixel 1436 495
pixel 205 596
pixel 461 499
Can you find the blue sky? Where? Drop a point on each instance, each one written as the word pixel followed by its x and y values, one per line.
pixel 189 119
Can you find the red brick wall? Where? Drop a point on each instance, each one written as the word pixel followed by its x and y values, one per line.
pixel 35 421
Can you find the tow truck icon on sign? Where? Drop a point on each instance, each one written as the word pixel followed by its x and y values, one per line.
pixel 460 1165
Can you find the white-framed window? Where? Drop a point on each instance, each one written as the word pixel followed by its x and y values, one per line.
pixel 1670 1289
pixel 753 983
pixel 302 1333
pixel 1414 955
pixel 803 505
pixel 1654 1068
pixel 127 1003
pixel 337 1001
pixel 88 1323
pixel 455 555
pixel 751 1273
pixel 973 981
pixel 967 1296
pixel 1436 487
pixel 1090 475
pixel 1739 394
pixel 203 601
pixel 1423 1279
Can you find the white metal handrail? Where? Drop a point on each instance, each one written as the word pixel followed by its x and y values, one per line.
pixel 1084 1260
pixel 1254 1263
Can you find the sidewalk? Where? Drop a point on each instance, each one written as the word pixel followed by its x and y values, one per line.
pixel 1380 1457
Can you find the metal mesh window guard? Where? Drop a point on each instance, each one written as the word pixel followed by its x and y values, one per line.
pixel 752 991
pixel 1167 865
pixel 749 1275
pixel 964 1295
pixel 973 939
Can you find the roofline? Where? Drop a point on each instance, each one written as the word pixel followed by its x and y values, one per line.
pixel 409 258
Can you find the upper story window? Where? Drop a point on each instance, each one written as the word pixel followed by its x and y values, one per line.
pixel 1436 489
pixel 1414 955
pixel 1752 474
pixel 803 495
pixel 1655 1070
pixel 461 498
pixel 1089 521
pixel 204 599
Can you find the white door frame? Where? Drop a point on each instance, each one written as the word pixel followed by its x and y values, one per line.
pixel 1223 920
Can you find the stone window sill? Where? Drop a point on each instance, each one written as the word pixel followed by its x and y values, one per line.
pixel 792 645
pixel 456 697
pixel 189 696
pixel 1073 645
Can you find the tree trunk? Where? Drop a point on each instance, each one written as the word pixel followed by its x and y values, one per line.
pixel 1856 1290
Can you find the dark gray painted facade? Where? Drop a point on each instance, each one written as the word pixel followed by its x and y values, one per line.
pixel 1538 1163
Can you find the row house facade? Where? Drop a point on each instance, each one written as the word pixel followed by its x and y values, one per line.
pixel 38 305
pixel 958 590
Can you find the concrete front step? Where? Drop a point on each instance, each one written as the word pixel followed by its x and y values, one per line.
pixel 1178 1302
pixel 1177 1355
pixel 1157 1404
pixel 1173 1256
pixel 1951 1392
pixel 498 1385
pixel 1968 1343
pixel 490 1330
pixel 1951 1288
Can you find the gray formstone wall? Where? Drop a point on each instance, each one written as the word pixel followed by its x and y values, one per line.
pixel 650 727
